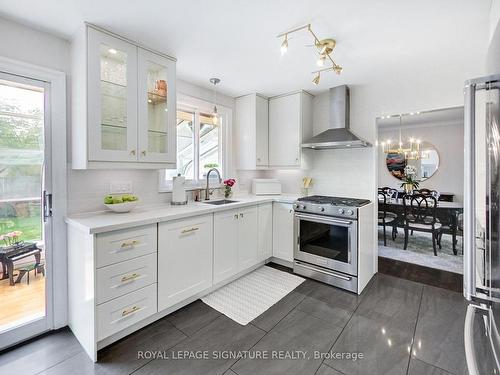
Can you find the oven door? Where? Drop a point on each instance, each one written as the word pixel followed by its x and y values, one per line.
pixel 327 242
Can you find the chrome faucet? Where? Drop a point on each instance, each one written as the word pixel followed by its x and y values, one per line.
pixel 207 191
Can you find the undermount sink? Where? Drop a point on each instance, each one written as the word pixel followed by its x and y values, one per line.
pixel 220 202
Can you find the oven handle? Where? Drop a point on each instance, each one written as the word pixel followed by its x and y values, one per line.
pixel 322 219
pixel 346 278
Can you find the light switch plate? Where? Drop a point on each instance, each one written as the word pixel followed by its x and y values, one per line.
pixel 120 187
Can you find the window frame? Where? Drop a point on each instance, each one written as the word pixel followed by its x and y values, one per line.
pixel 196 106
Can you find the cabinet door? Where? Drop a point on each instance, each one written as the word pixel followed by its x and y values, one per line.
pixel 262 131
pixel 111 98
pixel 265 231
pixel 184 259
pixel 283 231
pixel 156 108
pixel 285 130
pixel 248 254
pixel 225 245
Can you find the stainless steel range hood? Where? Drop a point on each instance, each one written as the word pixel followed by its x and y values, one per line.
pixel 338 135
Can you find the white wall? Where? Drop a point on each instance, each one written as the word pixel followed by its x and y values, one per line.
pixel 493 57
pixel 448 141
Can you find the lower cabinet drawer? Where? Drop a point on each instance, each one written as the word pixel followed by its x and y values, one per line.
pixel 125 277
pixel 122 312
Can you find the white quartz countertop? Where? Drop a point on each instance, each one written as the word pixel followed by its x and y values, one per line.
pixel 105 221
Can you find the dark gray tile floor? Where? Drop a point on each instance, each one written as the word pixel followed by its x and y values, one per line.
pixel 397 326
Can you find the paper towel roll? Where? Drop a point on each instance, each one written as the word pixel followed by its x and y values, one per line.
pixel 179 190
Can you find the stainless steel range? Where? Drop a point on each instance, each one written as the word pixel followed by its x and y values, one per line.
pixel 326 246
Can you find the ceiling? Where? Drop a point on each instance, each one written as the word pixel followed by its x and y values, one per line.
pixel 235 40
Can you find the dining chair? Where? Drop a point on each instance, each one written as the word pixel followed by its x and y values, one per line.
pixel 391 193
pixel 420 215
pixel 436 194
pixel 385 217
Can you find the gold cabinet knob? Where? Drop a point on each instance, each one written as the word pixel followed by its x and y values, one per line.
pixel 143 153
pixel 132 152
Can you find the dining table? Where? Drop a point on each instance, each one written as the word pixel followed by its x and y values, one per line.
pixel 446 212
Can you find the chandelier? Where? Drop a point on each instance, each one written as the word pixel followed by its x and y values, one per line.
pixel 324 49
pixel 410 150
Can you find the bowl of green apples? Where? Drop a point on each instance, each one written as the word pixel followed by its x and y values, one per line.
pixel 121 203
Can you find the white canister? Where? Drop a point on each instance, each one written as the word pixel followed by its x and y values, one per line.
pixel 179 190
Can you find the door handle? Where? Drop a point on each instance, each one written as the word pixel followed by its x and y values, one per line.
pixel 190 230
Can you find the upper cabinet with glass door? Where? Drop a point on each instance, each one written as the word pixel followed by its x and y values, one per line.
pixel 157 140
pixel 123 103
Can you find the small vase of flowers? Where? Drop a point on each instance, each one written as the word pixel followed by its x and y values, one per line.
pixel 410 181
pixel 11 238
pixel 228 184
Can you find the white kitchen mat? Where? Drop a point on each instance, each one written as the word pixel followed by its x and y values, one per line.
pixel 246 298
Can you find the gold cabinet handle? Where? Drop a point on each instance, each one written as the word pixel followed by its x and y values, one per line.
pixel 241 215
pixel 130 311
pixel 193 229
pixel 132 152
pixel 130 277
pixel 235 216
pixel 143 153
pixel 129 244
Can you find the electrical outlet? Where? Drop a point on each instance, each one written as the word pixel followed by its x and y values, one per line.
pixel 120 187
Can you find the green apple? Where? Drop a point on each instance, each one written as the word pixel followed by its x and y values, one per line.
pixel 117 200
pixel 108 199
pixel 127 198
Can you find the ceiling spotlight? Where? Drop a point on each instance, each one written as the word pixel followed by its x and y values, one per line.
pixel 284 45
pixel 316 79
pixel 321 60
pixel 112 51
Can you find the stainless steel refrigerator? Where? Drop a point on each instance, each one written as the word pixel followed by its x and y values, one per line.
pixel 481 225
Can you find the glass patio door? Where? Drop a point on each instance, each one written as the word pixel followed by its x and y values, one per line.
pixel 24 230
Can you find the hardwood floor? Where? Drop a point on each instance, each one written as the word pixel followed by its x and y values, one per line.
pixel 21 301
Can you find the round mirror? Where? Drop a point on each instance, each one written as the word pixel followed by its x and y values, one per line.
pixel 425 161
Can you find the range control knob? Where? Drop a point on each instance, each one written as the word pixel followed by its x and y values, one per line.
pixel 350 212
pixel 296 205
pixel 302 207
pixel 341 211
pixel 321 209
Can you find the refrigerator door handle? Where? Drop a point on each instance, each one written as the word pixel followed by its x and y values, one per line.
pixel 469 193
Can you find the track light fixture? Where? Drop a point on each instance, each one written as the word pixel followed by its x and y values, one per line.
pixel 316 79
pixel 324 48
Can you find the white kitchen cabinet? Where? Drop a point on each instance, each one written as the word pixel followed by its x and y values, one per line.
pixel 225 245
pixel 283 237
pixel 123 103
pixel 290 122
pixel 112 283
pixel 235 242
pixel 156 108
pixel 251 130
pixel 184 259
pixel 265 233
pixel 248 254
